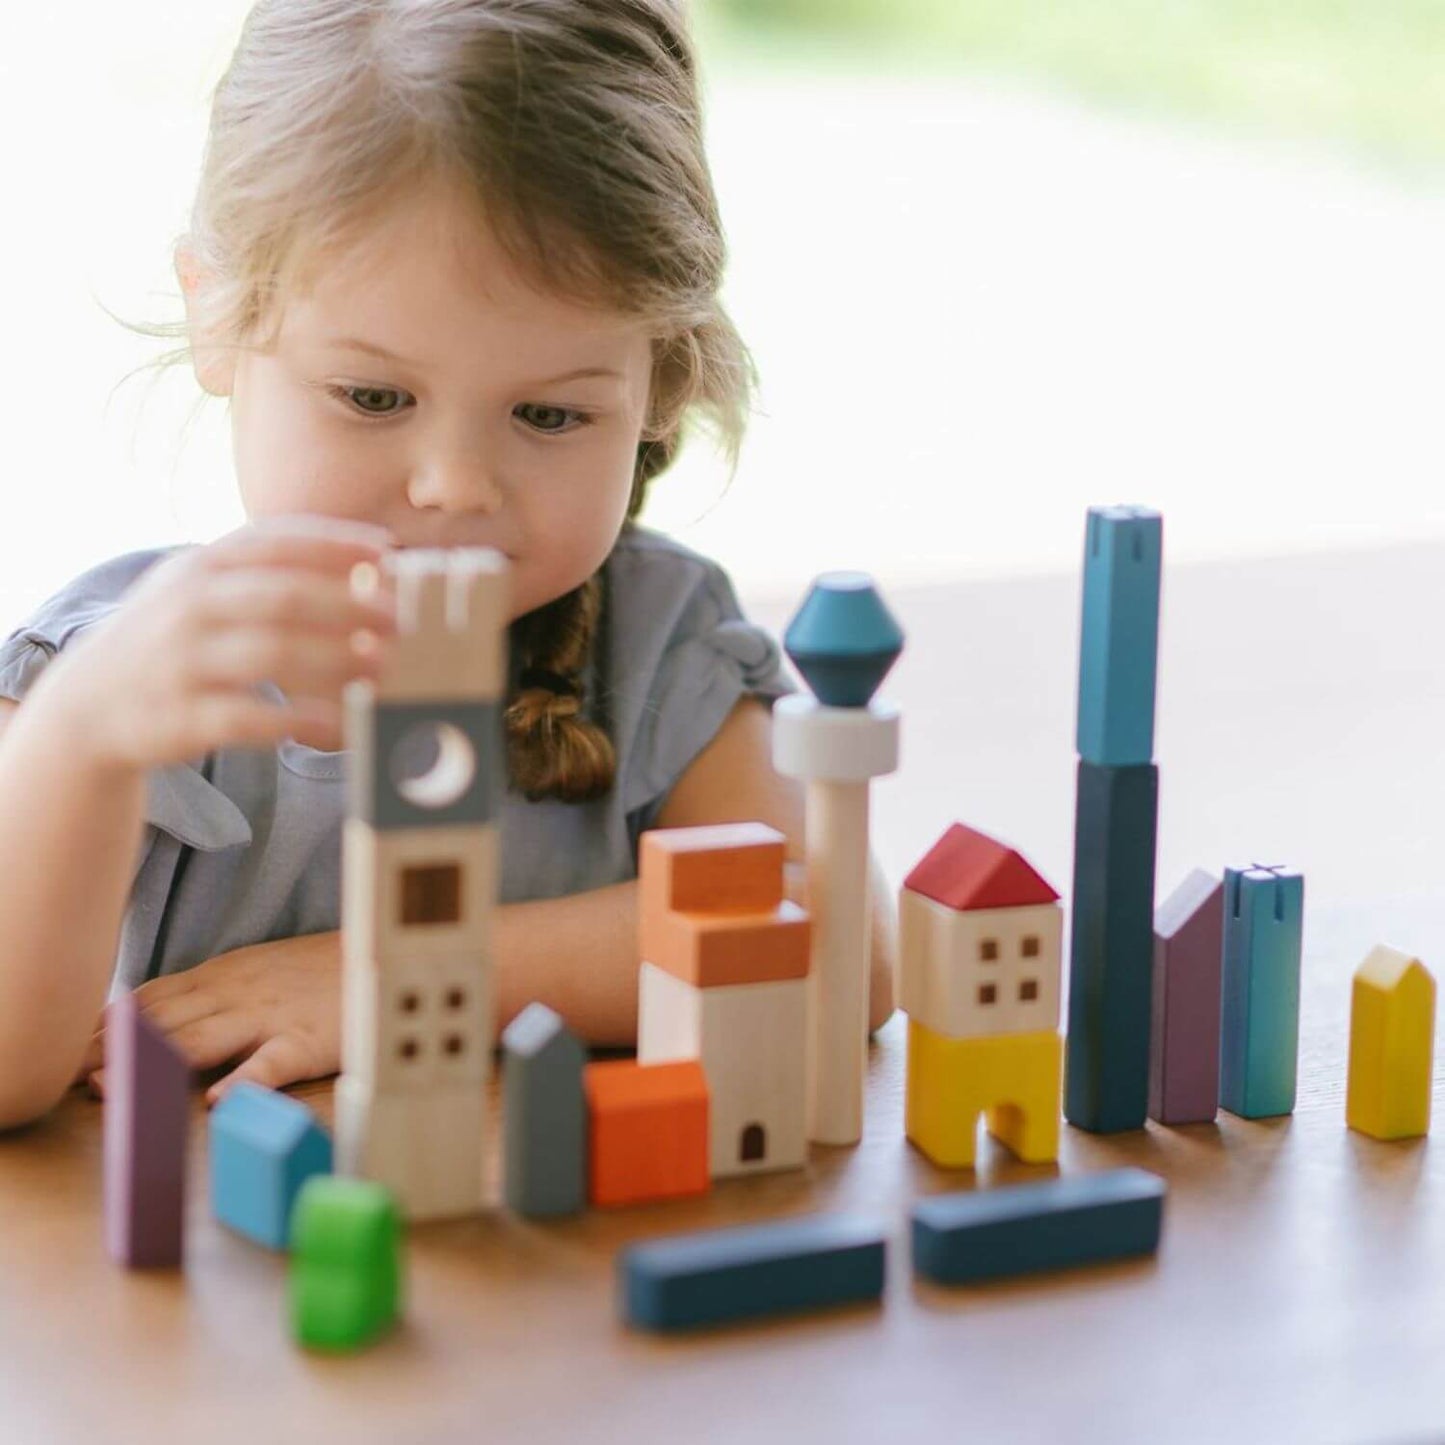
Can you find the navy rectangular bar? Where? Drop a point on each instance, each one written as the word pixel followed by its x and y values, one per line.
pixel 1111 960
pixel 724 1275
pixel 994 1233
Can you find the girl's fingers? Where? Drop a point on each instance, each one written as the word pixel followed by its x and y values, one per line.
pixel 300 663
pixel 324 605
pixel 326 543
pixel 226 720
pixel 281 1060
pixel 215 1039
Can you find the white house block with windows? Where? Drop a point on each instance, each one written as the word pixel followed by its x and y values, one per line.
pixel 981 940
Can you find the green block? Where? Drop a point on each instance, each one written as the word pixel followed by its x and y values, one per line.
pixel 345 1283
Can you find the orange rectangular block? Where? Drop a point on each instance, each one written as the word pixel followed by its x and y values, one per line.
pixel 725 867
pixel 712 949
pixel 647 1131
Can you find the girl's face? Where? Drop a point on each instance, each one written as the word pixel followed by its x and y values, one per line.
pixel 421 384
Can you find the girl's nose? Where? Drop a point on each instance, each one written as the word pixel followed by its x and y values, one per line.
pixel 455 484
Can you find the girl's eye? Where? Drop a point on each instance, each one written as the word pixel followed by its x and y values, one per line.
pixel 550 419
pixel 374 400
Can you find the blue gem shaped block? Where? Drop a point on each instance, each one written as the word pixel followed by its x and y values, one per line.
pixel 263 1147
pixel 1119 643
pixel 843 639
pixel 1259 1029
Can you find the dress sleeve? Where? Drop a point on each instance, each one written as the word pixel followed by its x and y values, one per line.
pixel 690 658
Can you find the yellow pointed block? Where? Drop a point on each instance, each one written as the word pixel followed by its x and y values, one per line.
pixel 1011 1078
pixel 1392 1037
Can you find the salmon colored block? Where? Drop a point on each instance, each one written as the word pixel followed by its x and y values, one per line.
pixel 723 868
pixel 712 949
pixel 648 1131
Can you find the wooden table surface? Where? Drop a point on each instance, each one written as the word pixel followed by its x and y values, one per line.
pixel 1299 1294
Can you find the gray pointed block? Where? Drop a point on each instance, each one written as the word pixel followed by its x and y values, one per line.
pixel 544 1129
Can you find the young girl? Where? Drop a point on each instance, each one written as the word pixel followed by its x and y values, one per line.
pixel 455 265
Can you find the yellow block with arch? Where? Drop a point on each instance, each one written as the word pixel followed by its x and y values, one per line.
pixel 1013 1079
pixel 1392 1037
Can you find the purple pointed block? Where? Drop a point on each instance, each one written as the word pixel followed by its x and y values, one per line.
pixel 147 1108
pixel 1184 1044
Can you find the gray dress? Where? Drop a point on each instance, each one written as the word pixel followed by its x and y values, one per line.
pixel 244 846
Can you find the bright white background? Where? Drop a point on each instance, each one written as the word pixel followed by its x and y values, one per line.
pixel 976 310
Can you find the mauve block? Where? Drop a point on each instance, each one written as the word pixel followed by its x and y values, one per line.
pixel 1184 1048
pixel 147 1108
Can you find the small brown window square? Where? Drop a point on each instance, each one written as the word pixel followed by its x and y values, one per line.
pixel 409 1002
pixel 1029 990
pixel 1031 946
pixel 987 993
pixel 988 950
pixel 455 1044
pixel 431 893
pixel 456 997
pixel 408 1049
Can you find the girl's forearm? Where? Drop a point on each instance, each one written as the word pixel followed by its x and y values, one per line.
pixel 70 833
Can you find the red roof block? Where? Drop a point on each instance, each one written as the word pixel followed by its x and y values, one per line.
pixel 967 871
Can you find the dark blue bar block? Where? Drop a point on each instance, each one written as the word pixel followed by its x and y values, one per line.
pixel 994 1233
pixel 726 1275
pixel 1111 964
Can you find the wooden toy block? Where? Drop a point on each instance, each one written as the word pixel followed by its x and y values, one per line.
pixel 147 1109
pixel 968 870
pixel 843 639
pixel 1184 1037
pixel 1392 1039
pixel 1259 1025
pixel 263 1147
pixel 544 1133
pixel 832 746
pixel 1011 1079
pixel 987 972
pixel 1119 645
pixel 647 1131
pixel 722 868
pixel 1111 966
pixel 723 1276
pixel 420 893
pixel 426 1145
pixel 345 1277
pixel 712 949
pixel 451 607
pixel 419 881
pixel 990 1234
pixel 751 1040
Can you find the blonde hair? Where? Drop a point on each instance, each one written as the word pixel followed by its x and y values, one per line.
pixel 576 126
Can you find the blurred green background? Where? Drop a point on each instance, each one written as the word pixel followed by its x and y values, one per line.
pixel 1366 73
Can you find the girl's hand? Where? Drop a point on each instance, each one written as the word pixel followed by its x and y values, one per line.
pixel 276 1006
pixel 172 675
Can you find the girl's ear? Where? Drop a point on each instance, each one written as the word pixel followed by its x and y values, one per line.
pixel 214 362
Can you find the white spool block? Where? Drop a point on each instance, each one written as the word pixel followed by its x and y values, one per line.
pixel 840 744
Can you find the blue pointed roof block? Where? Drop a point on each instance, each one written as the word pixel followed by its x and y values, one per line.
pixel 263 1148
pixel 843 639
pixel 1119 638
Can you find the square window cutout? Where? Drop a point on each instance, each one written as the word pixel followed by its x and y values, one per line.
pixel 988 950
pixel 987 993
pixel 1029 990
pixel 1031 946
pixel 431 893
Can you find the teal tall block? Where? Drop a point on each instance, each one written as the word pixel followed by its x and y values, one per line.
pixel 1259 1028
pixel 1119 642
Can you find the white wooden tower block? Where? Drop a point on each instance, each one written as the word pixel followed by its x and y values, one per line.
pixel 750 1039
pixel 419 884
pixel 836 751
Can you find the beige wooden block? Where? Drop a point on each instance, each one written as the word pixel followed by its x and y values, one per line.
pixel 840 744
pixel 384 869
pixel 988 971
pixel 452 619
pixel 418 1024
pixel 427 1148
pixel 751 1040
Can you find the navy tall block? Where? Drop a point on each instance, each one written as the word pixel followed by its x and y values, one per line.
pixel 1111 965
